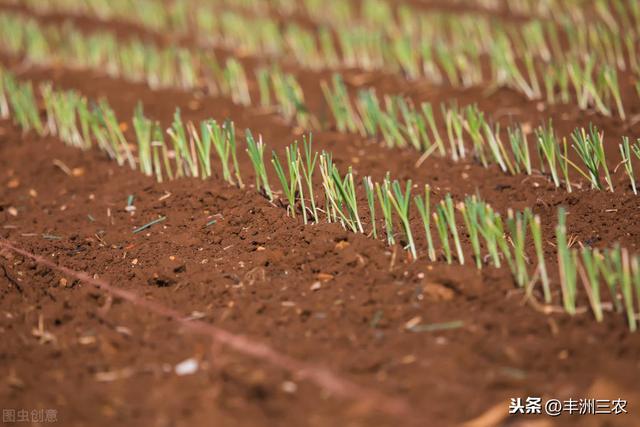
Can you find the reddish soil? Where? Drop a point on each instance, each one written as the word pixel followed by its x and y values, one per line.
pixel 505 349
pixel 100 360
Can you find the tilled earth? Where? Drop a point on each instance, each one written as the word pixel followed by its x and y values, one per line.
pixel 316 293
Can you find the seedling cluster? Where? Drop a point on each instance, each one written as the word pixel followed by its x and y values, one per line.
pixel 469 226
pixel 551 55
pixel 395 119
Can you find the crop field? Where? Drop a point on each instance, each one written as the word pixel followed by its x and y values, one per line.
pixel 320 212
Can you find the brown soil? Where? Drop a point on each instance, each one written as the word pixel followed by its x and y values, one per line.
pixel 315 293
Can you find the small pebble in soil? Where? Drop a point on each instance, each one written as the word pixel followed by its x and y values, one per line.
pixel 324 277
pixel 289 387
pixel 187 367
pixel 87 340
pixel 123 330
pixel 408 359
pixel 342 244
